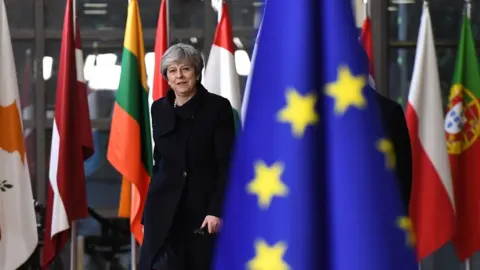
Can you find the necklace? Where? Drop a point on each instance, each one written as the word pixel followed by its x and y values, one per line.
pixel 175 102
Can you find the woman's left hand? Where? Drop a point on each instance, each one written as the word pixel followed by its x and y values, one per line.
pixel 214 224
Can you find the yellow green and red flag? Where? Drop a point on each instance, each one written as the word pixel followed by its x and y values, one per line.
pixel 130 146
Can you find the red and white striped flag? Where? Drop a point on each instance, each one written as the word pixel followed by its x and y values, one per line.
pixel 72 144
pixel 432 206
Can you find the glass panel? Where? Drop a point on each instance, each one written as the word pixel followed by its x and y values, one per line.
pixel 101 70
pixel 185 13
pixel 23 51
pixel 446 19
pixel 30 136
pixel 401 68
pixel 149 10
pixel 245 13
pixel 20 13
pixel 24 55
pixel 93 14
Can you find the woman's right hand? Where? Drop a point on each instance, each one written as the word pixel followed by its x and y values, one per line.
pixel 214 224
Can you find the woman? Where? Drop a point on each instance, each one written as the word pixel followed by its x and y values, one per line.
pixel 193 131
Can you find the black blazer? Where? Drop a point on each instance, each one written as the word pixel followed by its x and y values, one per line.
pixel 396 128
pixel 196 159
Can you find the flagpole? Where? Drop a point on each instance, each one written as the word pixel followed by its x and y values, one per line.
pixel 425 5
pixel 167 7
pixel 133 252
pixel 73 246
pixel 73 229
pixel 133 241
pixel 217 6
pixel 468 10
pixel 365 9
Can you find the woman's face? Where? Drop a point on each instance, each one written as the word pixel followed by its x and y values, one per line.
pixel 182 78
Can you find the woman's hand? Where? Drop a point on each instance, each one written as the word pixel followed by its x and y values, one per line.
pixel 214 224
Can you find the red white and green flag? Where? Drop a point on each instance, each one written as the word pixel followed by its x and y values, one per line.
pixel 221 76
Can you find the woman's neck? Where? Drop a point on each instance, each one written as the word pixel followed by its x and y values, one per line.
pixel 182 99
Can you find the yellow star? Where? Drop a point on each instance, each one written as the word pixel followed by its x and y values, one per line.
pixel 347 91
pixel 267 183
pixel 386 147
pixel 299 111
pixel 268 257
pixel 405 224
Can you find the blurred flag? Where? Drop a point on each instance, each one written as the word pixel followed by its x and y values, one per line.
pixel 366 41
pixel 221 75
pixel 72 144
pixel 18 224
pixel 432 201
pixel 313 182
pixel 462 129
pixel 130 145
pixel 160 86
pixel 246 93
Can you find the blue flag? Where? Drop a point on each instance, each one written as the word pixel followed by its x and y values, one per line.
pixel 246 93
pixel 312 184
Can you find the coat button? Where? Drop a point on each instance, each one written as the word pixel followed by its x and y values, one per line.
pixel 184 174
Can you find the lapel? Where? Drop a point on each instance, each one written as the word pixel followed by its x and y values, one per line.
pixel 165 115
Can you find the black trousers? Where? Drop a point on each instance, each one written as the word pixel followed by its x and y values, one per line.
pixel 182 249
pixel 193 253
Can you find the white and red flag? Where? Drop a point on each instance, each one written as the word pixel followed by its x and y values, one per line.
pixel 72 144
pixel 432 205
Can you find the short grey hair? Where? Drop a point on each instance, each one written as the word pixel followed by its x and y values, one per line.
pixel 182 52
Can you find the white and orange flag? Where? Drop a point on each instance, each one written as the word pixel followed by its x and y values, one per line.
pixel 432 204
pixel 18 225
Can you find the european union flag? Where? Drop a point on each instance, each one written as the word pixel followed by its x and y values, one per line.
pixel 312 183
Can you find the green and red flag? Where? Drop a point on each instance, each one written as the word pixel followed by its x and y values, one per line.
pixel 130 146
pixel 462 128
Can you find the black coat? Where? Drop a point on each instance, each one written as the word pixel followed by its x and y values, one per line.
pixel 396 128
pixel 191 165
